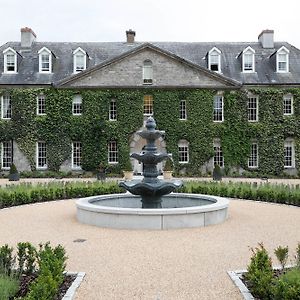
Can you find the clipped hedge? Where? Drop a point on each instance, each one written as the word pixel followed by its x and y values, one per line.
pixel 284 194
pixel 31 193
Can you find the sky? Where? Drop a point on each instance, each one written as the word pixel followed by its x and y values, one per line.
pixel 160 20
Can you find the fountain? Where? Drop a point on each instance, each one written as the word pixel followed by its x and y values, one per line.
pixel 160 208
pixel 151 189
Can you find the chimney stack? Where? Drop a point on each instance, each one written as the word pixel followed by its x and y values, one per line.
pixel 266 38
pixel 130 34
pixel 27 37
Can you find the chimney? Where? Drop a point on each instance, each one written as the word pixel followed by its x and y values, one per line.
pixel 130 34
pixel 27 37
pixel 266 38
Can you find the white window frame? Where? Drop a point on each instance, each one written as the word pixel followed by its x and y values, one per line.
pixel 45 166
pixel 290 98
pixel 41 105
pixel 218 158
pixel 289 143
pixel 9 145
pixel 76 155
pixel 248 51
pixel 6 52
pixel 251 108
pixel 148 105
pixel 282 51
pixel 5 97
pixel 210 54
pixel 75 103
pixel 112 110
pixel 47 52
pixel 182 110
pixel 183 152
pixel 79 52
pixel 253 158
pixel 218 110
pixel 112 152
pixel 148 72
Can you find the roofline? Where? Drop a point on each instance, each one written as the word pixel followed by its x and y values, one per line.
pixel 155 48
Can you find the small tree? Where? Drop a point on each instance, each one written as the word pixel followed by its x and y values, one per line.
pixel 282 254
pixel 13 169
pixel 13 173
pixel 168 165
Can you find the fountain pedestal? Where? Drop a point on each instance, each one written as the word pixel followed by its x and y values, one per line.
pixel 150 188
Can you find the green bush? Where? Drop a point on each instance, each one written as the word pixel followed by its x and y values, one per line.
pixel 287 287
pixel 9 286
pixel 282 254
pixel 260 273
pixel 7 260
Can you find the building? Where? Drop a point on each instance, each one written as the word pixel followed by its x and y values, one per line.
pixel 71 106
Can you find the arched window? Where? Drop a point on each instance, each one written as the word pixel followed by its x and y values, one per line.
pixel 248 60
pixel 147 72
pixel 183 151
pixel 10 60
pixel 79 60
pixel 282 60
pixel 214 60
pixel 45 60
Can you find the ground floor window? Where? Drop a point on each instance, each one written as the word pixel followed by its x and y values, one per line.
pixel 6 157
pixel 183 151
pixel 76 155
pixel 148 105
pixel 112 152
pixel 289 153
pixel 41 155
pixel 218 157
pixel 253 159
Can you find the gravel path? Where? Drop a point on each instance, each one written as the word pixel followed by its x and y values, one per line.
pixel 176 264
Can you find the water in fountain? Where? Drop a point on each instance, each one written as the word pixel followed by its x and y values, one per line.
pixel 151 188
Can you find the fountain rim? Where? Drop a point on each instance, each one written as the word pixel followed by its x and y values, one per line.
pixel 217 203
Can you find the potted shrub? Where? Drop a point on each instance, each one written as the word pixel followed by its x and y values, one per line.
pixel 217 173
pixel 13 173
pixel 127 170
pixel 168 169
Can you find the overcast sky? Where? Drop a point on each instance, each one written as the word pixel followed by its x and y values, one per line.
pixel 158 20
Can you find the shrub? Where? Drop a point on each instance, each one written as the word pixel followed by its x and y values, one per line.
pixel 168 165
pixel 217 173
pixel 7 259
pixel 260 273
pixel 287 287
pixel 282 254
pixel 9 286
pixel 13 169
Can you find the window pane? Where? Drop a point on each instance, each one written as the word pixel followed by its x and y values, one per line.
pixel 10 62
pixel 248 62
pixel 79 60
pixel 252 109
pixel 183 152
pixel 147 72
pixel 218 157
pixel 148 105
pixel 112 152
pixel 253 159
pixel 113 110
pixel 45 60
pixel 6 154
pixel 6 107
pixel 183 115
pixel 77 105
pixel 288 154
pixel 218 109
pixel 76 155
pixel 41 155
pixel 287 105
pixel 41 105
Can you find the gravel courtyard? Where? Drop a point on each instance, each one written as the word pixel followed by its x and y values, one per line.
pixel 175 264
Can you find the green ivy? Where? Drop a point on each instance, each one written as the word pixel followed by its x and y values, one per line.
pixel 58 128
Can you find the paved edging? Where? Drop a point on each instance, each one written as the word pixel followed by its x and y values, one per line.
pixel 69 295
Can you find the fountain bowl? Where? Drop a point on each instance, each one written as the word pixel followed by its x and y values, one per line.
pixel 179 210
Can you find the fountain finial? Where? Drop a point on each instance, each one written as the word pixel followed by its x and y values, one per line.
pixel 150 124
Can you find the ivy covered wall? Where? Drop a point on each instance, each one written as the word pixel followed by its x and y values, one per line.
pixel 58 128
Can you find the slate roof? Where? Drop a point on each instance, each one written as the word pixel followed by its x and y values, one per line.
pixel 195 53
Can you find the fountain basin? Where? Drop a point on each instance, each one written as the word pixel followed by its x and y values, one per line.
pixel 179 210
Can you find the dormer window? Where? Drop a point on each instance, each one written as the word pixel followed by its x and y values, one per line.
pixel 45 60
pixel 214 60
pixel 248 60
pixel 79 60
pixel 10 60
pixel 147 72
pixel 282 60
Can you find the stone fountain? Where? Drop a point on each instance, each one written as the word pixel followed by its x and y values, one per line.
pixel 150 188
pixel 160 208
